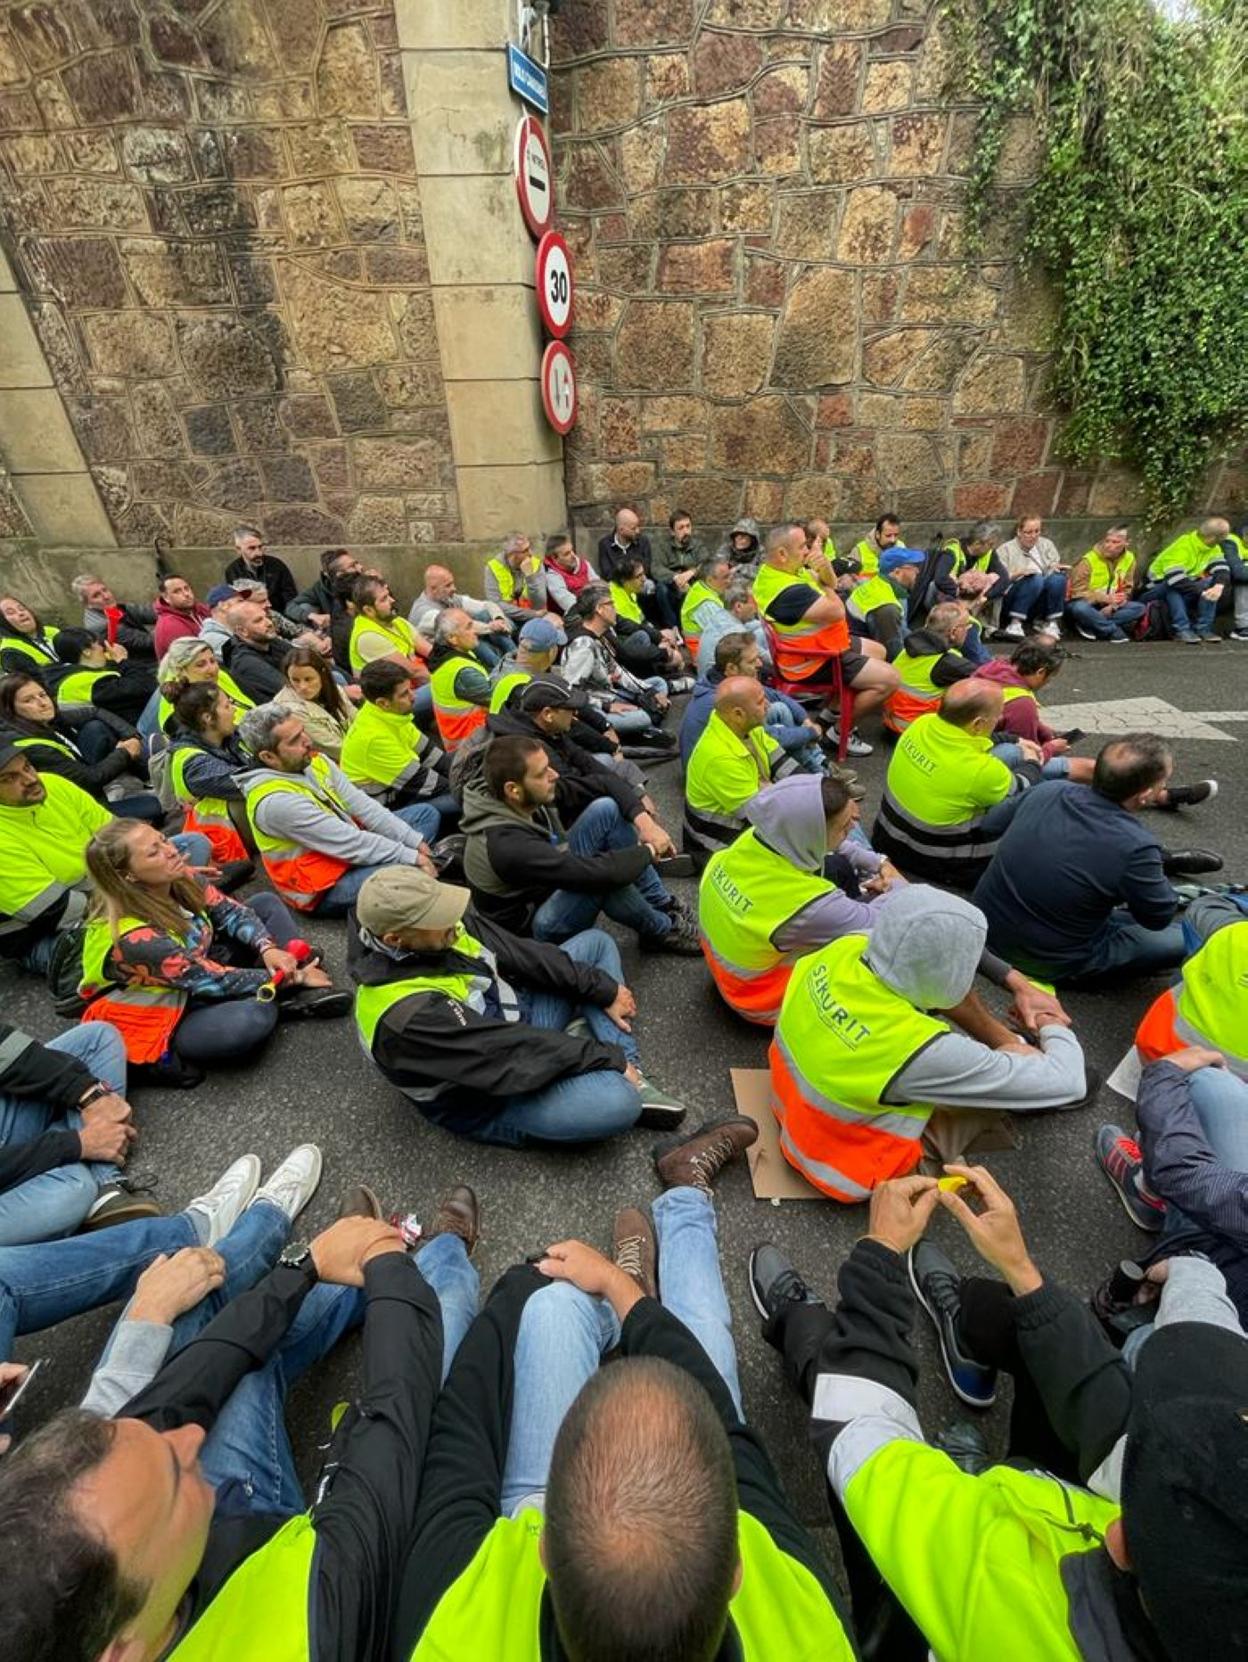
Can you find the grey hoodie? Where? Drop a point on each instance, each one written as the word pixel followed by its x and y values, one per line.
pixel 788 817
pixel 380 838
pixel 926 945
pixel 748 527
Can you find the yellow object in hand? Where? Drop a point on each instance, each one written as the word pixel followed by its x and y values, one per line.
pixel 952 1184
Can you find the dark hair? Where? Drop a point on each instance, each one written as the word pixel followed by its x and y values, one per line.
pixel 641 1518
pixel 6 626
pixel 507 759
pixel 62 1595
pixel 834 795
pixel 171 577
pixel 556 540
pixel 591 597
pixel 196 701
pixel 9 689
pixel 1033 656
pixel 72 643
pixel 887 519
pixel 626 568
pixel 382 678
pixel 678 513
pixel 730 646
pixel 1130 764
pixel 330 697
pixel 343 587
pixel 365 590
pixel 330 556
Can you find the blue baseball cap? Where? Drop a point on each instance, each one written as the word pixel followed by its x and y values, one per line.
pixel 891 558
pixel 542 635
pixel 220 592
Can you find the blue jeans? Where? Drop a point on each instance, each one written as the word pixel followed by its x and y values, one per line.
pixel 147 723
pixel 794 738
pixel 625 722
pixel 1106 626
pixel 564 1334
pixel 583 1107
pixel 637 905
pixel 220 1032
pixel 1045 596
pixel 1220 1099
pixel 247 1454
pixel 1057 767
pixel 1186 607
pixel 973 646
pixel 338 901
pixel 1124 947
pixel 56 1202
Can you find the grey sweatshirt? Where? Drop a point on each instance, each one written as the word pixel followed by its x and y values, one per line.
pixel 380 838
pixel 926 945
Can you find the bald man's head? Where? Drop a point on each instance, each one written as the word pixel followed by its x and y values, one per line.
pixel 741 702
pixel 439 584
pixel 640 1543
pixel 967 702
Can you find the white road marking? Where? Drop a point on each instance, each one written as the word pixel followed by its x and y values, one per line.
pixel 1143 715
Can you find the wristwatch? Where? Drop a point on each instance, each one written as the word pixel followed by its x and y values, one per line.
pixel 93 1093
pixel 298 1256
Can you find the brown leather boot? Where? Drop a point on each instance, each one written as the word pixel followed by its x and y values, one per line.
pixel 359 1201
pixel 459 1214
pixel 634 1250
pixel 695 1159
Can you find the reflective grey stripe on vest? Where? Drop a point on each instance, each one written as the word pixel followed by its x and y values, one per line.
pixel 11 1048
pixel 907 1126
pixel 818 1168
pixel 33 910
pixel 712 831
pixel 1193 1035
pixel 962 840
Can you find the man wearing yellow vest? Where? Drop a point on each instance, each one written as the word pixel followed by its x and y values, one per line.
pixel 877 604
pixel 458 679
pixel 864 1051
pixel 731 762
pixel 377 630
pixel 644 647
pixel 805 619
pixel 319 835
pixel 948 800
pixel 1188 576
pixel 1101 586
pixel 930 660
pixel 515 581
pixel 194 1546
pixel 565 1502
pixel 704 599
pixel 883 535
pixel 1117 1528
pixel 385 753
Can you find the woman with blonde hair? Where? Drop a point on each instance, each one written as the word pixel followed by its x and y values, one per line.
pixel 189 977
pixel 188 662
pixel 317 699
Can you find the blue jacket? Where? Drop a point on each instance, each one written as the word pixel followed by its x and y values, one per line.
pixel 1069 857
pixel 702 702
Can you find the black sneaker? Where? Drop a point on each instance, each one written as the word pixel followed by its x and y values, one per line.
pixel 938 1288
pixel 676 865
pixel 315 1004
pixel 681 939
pixel 660 1111
pixel 1186 796
pixel 774 1282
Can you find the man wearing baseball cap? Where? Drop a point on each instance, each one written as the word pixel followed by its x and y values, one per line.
pixel 877 605
pixel 536 651
pixel 501 1039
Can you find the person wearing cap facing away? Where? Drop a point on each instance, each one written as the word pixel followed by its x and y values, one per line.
pixel 472 1023
pixel 318 834
pixel 531 875
pixel 385 753
pixel 732 761
pixel 439 595
pixel 877 605
pixel 537 647
pixel 865 1048
pixel 1118 1525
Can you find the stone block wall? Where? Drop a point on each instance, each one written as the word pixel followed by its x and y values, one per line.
pixel 212 209
pixel 775 314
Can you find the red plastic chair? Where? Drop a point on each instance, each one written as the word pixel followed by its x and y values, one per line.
pixel 814 689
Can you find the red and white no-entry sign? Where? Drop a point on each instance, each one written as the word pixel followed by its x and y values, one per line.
pixel 554 284
pixel 534 184
pixel 559 387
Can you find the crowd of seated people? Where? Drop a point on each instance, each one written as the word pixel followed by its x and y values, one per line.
pixel 466 782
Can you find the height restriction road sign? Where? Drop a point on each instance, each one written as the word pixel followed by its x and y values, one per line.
pixel 559 387
pixel 554 284
pixel 533 176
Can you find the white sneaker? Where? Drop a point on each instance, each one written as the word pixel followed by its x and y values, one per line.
pixel 1013 630
pixel 292 1184
pixel 855 745
pixel 220 1209
pixel 1049 631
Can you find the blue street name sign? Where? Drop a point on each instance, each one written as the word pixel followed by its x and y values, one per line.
pixel 527 79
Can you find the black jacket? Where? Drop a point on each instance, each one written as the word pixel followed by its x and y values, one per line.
pixel 258 672
pixel 460 1499
pixel 317 597
pixel 464 1065
pixel 370 1480
pixel 610 554
pixel 134 632
pixel 951 667
pixel 56 1081
pixel 124 694
pixel 48 755
pixel 582 777
pixel 273 573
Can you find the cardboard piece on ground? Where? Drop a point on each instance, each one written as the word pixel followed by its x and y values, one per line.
pixel 1125 1078
pixel 771 1174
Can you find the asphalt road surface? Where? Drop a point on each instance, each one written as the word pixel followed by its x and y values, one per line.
pixel 314 1084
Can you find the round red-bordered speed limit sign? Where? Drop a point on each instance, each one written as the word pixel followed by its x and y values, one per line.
pixel 534 175
pixel 559 397
pixel 554 284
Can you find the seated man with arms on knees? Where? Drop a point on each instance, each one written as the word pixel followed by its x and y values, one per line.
pixel 1078 890
pixel 493 631
pixel 645 648
pixel 737 653
pixel 704 599
pixel 65 1132
pixel 731 762
pixel 631 704
pixel 93 673
pixel 801 605
pixel 180 1527
pixel 864 1050
pixel 45 826
pixel 877 605
pixel 1102 583
pixel 930 660
pixel 385 753
pixel 528 874
pixel 948 799
pixel 318 834
pixel 1022 677
pixel 1117 1527
pixel 377 630
pixel 515 581
pixel 575 1510
pixel 458 679
pixel 1187 579
pixel 471 1022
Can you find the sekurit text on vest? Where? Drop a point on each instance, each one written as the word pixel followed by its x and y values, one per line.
pixel 920 758
pixel 842 1023
pixel 729 892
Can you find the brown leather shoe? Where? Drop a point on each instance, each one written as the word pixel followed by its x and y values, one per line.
pixel 695 1159
pixel 116 1205
pixel 459 1214
pixel 634 1249
pixel 359 1201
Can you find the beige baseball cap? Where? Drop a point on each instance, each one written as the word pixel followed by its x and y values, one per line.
pixel 404 897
